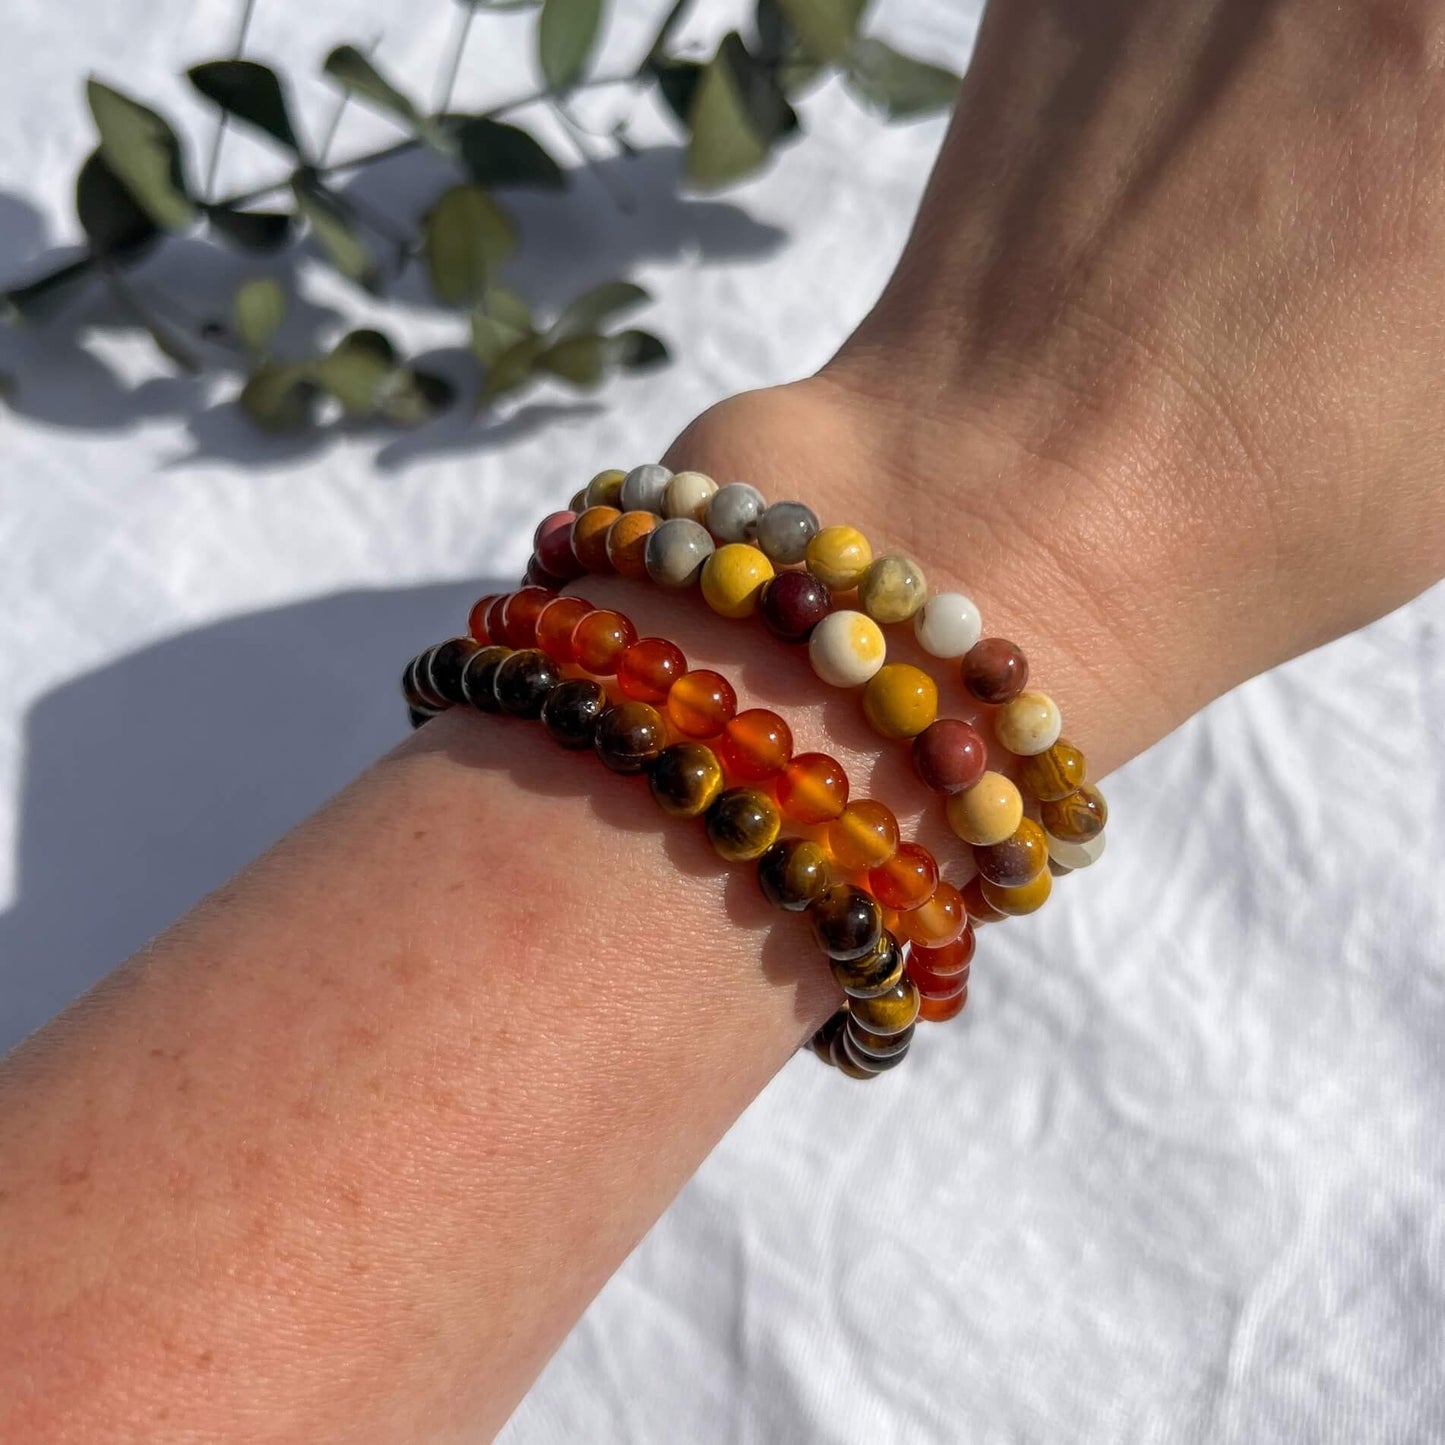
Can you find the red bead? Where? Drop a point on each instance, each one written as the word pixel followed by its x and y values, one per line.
pixel 949 755
pixel 553 543
pixel 995 670
pixel 648 669
pixel 935 985
pixel 938 1011
pixel 600 639
pixel 519 616
pixel 756 744
pixel 980 910
pixel 938 920
pixel 793 604
pixel 555 625
pixel 813 789
pixel 477 618
pixel 907 879
pixel 496 630
pixel 701 703
pixel 950 960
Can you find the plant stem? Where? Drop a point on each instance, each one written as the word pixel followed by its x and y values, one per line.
pixel 248 9
pixel 449 83
pixel 579 133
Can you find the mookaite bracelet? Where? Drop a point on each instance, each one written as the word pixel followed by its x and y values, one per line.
pixel 898 936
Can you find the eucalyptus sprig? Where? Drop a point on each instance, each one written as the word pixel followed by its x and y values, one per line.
pixel 735 106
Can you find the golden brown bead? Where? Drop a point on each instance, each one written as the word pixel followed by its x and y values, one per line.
pixel 841 1060
pixel 742 824
pixel 878 1046
pixel 793 872
pixel 1053 773
pixel 873 973
pixel 890 1013
pixel 686 779
pixel 630 736
pixel 1078 817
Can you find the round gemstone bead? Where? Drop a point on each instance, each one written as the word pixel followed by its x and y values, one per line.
pixel 688 495
pixel 630 736
pixel 496 628
pixel 523 680
pixel 742 823
pixel 675 552
pixel 980 910
pixel 445 665
pixel 647 670
pixel 938 920
pixel 537 575
pixel 890 1013
pixel 643 488
pixel 907 879
pixel 932 985
pixel 846 649
pixel 1078 817
pixel 734 511
pixel 599 640
pixel 1017 859
pixel 838 557
pixel 701 703
pixel 832 1026
pixel 579 500
pixel 1076 855
pixel 1018 901
pixel 939 1011
pixel 553 542
pixel 864 836
pixel 1054 773
pixel 556 623
pixel 426 694
pixel 784 531
pixel 589 538
pixel 846 1062
pixel 813 789
pixel 986 813
pixel 571 711
pixel 520 613
pixel 892 589
pixel 1028 723
pixel 686 779
pixel 873 973
pixel 949 755
pixel 732 577
pixel 793 604
pixel 900 700
pixel 477 618
pixel 793 872
pixel 846 922
pixel 948 961
pixel 627 543
pixel 605 489
pixel 479 679
pixel 877 1046
pixel 995 670
pixel 411 690
pixel 756 744
pixel 868 1061
pixel 947 625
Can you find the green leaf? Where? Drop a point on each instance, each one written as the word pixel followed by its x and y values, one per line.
pixel 581 360
pixel 258 311
pixel 898 85
pixel 251 93
pixel 589 310
pixel 109 215
pixel 825 27
pixel 411 397
pixel 251 230
pixel 350 69
pixel 512 368
pixel 497 154
pixel 634 350
pixel 331 223
pixel 566 32
pixel 738 114
pixel 507 306
pixel 465 237
pixel 144 154
pixel 41 298
pixel 280 397
pixel 356 370
pixel 677 83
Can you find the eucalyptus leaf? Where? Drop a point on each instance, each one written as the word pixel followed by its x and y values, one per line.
pixel 738 114
pixel 357 370
pixel 497 154
pixel 896 84
pixel 566 33
pixel 350 69
pixel 825 27
pixel 335 231
pixel 411 398
pixel 512 368
pixel 258 311
pixel 593 307
pixel 634 350
pixel 250 92
pixel 581 360
pixel 677 83
pixel 143 153
pixel 280 397
pixel 465 237
pixel 252 230
pixel 41 298
pixel 109 215
pixel 506 306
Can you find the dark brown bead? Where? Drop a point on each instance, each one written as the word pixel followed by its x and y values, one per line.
pixel 879 1046
pixel 829 1030
pixel 685 779
pixel 417 700
pixel 873 1063
pixel 416 716
pixel 480 675
pixel 1078 817
pixel 427 696
pixel 873 973
pixel 793 872
pixel 743 823
pixel 847 922
pixel 447 663
pixel 630 736
pixel 571 711
pixel 1053 773
pixel 949 755
pixel 793 604
pixel 845 1063
pixel 995 670
pixel 523 680
pixel 1017 859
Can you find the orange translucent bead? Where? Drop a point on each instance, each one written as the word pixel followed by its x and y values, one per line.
pixel 520 613
pixel 938 920
pixel 940 1010
pixel 980 910
pixel 555 625
pixel 589 538
pixel 627 542
pixel 907 879
pixel 946 962
pixel 648 669
pixel 477 618
pixel 813 789
pixel 701 703
pixel 935 985
pixel 495 630
pixel 754 745
pixel 600 639
pixel 865 835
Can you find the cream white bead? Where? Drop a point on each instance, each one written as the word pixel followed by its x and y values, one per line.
pixel 1029 723
pixel 948 625
pixel 642 488
pixel 847 648
pixel 1075 855
pixel 687 495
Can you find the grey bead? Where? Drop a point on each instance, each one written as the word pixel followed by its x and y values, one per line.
pixel 675 552
pixel 734 511
pixel 642 488
pixel 784 531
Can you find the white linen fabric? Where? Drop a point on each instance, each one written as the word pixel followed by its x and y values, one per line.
pixel 1178 1173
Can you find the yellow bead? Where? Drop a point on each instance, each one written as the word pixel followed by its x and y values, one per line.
pixel 605 488
pixel 900 700
pixel 732 577
pixel 1027 898
pixel 986 813
pixel 838 557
